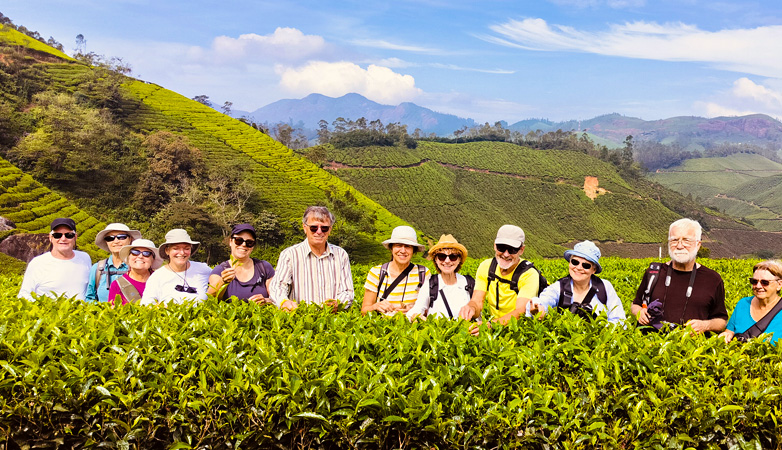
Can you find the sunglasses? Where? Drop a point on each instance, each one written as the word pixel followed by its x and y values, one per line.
pixel 186 289
pixel 144 253
pixel 249 243
pixel 574 262
pixel 68 235
pixel 120 237
pixel 323 228
pixel 764 283
pixel 502 248
pixel 442 257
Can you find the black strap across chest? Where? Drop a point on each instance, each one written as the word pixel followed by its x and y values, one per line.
pixel 760 326
pixel 566 291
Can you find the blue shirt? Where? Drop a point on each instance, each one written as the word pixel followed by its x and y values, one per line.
pixel 613 308
pixel 110 273
pixel 741 320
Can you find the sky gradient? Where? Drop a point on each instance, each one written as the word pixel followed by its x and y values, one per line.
pixel 487 60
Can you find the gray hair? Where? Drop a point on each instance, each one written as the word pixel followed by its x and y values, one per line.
pixel 318 212
pixel 688 224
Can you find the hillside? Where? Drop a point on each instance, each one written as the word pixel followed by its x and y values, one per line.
pixel 742 185
pixel 471 189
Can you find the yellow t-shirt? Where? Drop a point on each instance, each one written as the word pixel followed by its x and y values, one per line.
pixel 405 292
pixel 528 288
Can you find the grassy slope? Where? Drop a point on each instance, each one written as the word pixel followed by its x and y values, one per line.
pixel 451 188
pixel 742 185
pixel 13 37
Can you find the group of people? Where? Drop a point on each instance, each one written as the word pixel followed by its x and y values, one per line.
pixel 679 292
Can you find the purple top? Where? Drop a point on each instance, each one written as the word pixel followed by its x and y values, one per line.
pixel 114 289
pixel 243 290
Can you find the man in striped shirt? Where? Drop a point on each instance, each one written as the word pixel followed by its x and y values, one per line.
pixel 313 271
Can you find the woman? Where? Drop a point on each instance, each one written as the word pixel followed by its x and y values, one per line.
pixel 447 291
pixel 581 292
pixel 242 277
pixel 393 287
pixel 104 272
pixel 142 258
pixel 180 280
pixel 759 308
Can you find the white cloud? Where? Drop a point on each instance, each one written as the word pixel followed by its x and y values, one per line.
pixel 377 83
pixel 285 44
pixel 745 97
pixel 379 43
pixel 754 50
pixel 472 69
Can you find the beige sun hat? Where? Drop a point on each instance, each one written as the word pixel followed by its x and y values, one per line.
pixel 177 236
pixel 141 243
pixel 134 234
pixel 406 235
pixel 447 241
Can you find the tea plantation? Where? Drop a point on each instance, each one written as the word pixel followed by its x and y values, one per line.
pixel 222 375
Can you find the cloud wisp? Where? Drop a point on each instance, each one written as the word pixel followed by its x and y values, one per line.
pixel 752 50
pixel 745 97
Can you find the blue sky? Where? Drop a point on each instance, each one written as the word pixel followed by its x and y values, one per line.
pixel 488 60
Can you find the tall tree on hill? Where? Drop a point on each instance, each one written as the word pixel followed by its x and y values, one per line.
pixel 226 108
pixel 324 135
pixel 203 99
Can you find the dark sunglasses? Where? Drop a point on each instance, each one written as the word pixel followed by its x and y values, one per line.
pixel 68 235
pixel 442 257
pixel 145 253
pixel 764 283
pixel 502 248
pixel 323 228
pixel 574 262
pixel 121 237
pixel 186 289
pixel 249 243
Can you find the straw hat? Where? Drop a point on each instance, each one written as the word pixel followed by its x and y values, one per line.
pixel 406 235
pixel 177 236
pixel 141 243
pixel 447 241
pixel 134 234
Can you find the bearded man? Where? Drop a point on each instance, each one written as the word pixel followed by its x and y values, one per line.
pixel 506 282
pixel 688 293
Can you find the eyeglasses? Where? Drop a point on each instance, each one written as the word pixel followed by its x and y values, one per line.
pixel 686 242
pixel 574 262
pixel 502 248
pixel 120 237
pixel 68 235
pixel 249 243
pixel 764 283
pixel 186 289
pixel 442 256
pixel 323 228
pixel 144 253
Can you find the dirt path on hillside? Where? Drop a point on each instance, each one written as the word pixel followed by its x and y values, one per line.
pixel 333 165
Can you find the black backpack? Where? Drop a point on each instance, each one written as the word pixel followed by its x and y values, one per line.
pixel 434 289
pixel 522 267
pixel 584 308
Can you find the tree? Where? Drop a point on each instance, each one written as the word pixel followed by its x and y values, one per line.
pixel 227 108
pixel 81 44
pixel 324 135
pixel 172 163
pixel 203 99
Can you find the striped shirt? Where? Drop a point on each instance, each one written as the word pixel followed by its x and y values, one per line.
pixel 405 292
pixel 303 277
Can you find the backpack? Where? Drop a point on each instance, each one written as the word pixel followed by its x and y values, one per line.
pixel 434 289
pixel 566 295
pixel 522 267
pixel 384 273
pixel 259 268
pixel 102 264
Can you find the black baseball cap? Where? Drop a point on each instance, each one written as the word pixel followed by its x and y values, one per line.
pixel 67 221
pixel 238 228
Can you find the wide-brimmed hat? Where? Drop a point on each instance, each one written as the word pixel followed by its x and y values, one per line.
pixel 406 235
pixel 134 234
pixel 510 235
pixel 177 236
pixel 587 250
pixel 447 241
pixel 141 243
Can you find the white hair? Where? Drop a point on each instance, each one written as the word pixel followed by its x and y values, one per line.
pixel 687 224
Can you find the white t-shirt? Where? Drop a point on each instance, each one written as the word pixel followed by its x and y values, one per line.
pixel 161 285
pixel 47 275
pixel 456 295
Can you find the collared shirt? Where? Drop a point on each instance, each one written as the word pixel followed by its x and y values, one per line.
pixel 303 277
pixel 110 273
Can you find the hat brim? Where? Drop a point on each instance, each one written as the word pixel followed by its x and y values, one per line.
pixel 103 245
pixel 569 253
pixel 512 242
pixel 124 253
pixel 440 246
pixel 164 247
pixel 389 242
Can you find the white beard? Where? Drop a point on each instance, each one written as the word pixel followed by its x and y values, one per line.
pixel 682 258
pixel 504 265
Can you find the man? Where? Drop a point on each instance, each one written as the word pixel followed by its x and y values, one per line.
pixel 313 271
pixel 61 271
pixel 688 293
pixel 506 281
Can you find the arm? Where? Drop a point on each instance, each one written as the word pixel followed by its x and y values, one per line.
pixel 727 335
pixel 718 315
pixel 538 306
pixel 91 294
pixel 30 281
pixel 701 326
pixel 280 285
pixel 615 311
pixel 528 288
pixel 473 309
pixel 345 292
pixel 422 302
